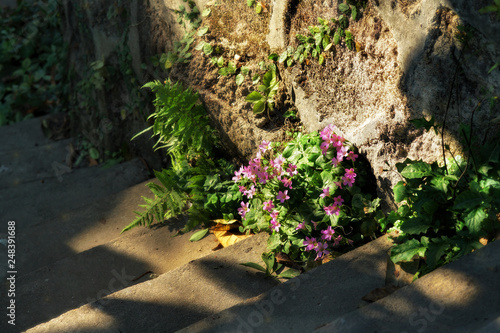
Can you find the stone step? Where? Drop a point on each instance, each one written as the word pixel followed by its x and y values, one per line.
pixel 310 300
pixel 90 275
pixel 38 201
pixel 463 296
pixel 22 135
pixel 173 300
pixel 78 230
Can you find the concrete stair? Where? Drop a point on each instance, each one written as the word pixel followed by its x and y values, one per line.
pixel 77 273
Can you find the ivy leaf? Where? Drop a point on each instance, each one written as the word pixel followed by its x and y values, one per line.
pixel 415 226
pixel 407 250
pixel 207 49
pixel 239 79
pixel 336 37
pixel 354 13
pixel 202 31
pixel 244 70
pixel 231 67
pixel 206 12
pixel 474 220
pixel 468 199
pixel 283 57
pixel 344 8
pixel 198 235
pixel 437 247
pixel 417 169
pixel 400 192
pixel 220 61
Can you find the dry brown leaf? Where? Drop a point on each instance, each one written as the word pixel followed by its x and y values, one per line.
pixel 227 239
pixel 483 240
pixel 379 293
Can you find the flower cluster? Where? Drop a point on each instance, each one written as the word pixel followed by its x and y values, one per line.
pixel 281 177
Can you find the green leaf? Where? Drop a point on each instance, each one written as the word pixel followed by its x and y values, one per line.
pixel 198 235
pixel 258 8
pixel 254 97
pixel 207 49
pixel 407 250
pixel 283 57
pixel 200 45
pixel 321 59
pixel 468 199
pixel 244 70
pixel 474 220
pixel 400 192
pixel 259 107
pixel 223 71
pixel 344 8
pixel 289 62
pixel 273 57
pixel 354 13
pixel 415 226
pixel 437 248
pixel 336 38
pixel 417 169
pixel 289 274
pixel 254 266
pixel 256 79
pixel 220 61
pixel 206 12
pixel 250 3
pixel 202 31
pixel 231 67
pixel 94 153
pixel 239 79
pixel 268 259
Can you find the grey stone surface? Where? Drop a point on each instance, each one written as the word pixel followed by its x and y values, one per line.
pixel 85 277
pixel 463 296
pixel 309 300
pixel 175 299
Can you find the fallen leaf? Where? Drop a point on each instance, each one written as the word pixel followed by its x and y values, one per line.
pixel 227 239
pixel 379 293
pixel 483 240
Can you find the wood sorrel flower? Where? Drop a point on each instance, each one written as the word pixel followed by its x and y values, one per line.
pixel 268 205
pixel 282 196
pixel 328 233
pixel 244 209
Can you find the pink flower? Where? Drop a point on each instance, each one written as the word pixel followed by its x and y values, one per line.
pixel 326 193
pixel 328 233
pixel 274 214
pixel 315 224
pixel 310 243
pixel 280 160
pixel 348 178
pixel 237 174
pixel 301 225
pixel 244 209
pixel 324 147
pixel 250 193
pixel 282 196
pixel 321 250
pixel 351 156
pixel 330 210
pixel 292 170
pixel 265 146
pixel 335 162
pixel 338 201
pixel 337 241
pixel 275 225
pixel 287 182
pixel 268 205
pixel 242 188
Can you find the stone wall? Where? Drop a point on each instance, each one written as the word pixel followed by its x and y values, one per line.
pixel 408 64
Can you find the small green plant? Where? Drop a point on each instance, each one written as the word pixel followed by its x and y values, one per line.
pixel 32 61
pixel 493 8
pixel 258 6
pixel 445 210
pixel 180 120
pixel 192 16
pixel 264 98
